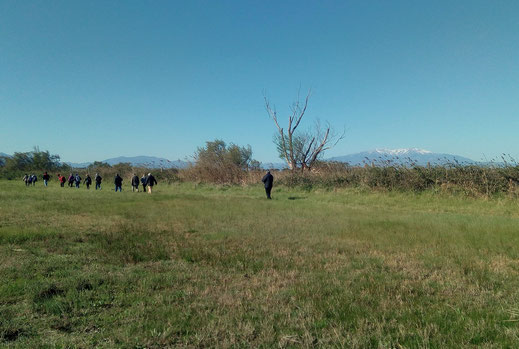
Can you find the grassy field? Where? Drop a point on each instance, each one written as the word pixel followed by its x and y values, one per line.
pixel 203 266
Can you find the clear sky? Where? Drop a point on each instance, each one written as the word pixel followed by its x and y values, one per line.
pixel 90 80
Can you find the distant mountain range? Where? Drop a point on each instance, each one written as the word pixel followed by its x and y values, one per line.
pixel 5 155
pixel 419 157
pixel 137 161
pixel 380 157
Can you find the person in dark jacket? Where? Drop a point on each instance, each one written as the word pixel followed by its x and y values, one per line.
pixel 88 181
pixel 268 180
pixel 26 180
pixel 118 181
pixel 144 180
pixel 33 179
pixel 98 180
pixel 45 178
pixel 135 183
pixel 150 182
pixel 71 180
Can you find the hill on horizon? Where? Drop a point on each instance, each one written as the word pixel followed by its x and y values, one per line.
pixel 407 156
pixel 138 161
pixel 380 157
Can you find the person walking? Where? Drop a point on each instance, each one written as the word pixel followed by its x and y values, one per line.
pixel 144 179
pixel 118 181
pixel 88 181
pixel 98 180
pixel 45 178
pixel 33 179
pixel 26 180
pixel 77 179
pixel 268 180
pixel 61 180
pixel 71 180
pixel 150 182
pixel 135 183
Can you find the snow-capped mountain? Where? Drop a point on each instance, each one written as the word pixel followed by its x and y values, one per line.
pixel 402 152
pixel 408 156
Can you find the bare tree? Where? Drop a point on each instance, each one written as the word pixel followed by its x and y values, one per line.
pixel 301 149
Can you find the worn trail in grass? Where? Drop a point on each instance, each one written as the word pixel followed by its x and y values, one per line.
pixel 223 267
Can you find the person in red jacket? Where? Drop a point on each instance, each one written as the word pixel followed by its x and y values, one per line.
pixel 61 180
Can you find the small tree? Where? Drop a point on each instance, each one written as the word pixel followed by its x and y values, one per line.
pixel 222 163
pixel 98 165
pixel 43 160
pixel 301 149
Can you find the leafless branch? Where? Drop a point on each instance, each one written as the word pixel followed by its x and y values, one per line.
pixel 302 148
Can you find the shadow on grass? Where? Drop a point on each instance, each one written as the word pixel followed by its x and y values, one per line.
pixel 296 197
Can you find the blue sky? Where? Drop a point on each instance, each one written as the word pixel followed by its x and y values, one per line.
pixel 97 79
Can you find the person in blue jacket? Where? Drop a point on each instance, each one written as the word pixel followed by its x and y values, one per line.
pixel 33 179
pixel 77 179
pixel 144 180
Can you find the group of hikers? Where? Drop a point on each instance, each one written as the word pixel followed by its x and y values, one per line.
pixel 30 179
pixel 146 181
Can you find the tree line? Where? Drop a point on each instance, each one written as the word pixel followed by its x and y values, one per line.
pixel 33 161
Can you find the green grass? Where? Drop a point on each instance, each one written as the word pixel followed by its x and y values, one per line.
pixel 205 266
